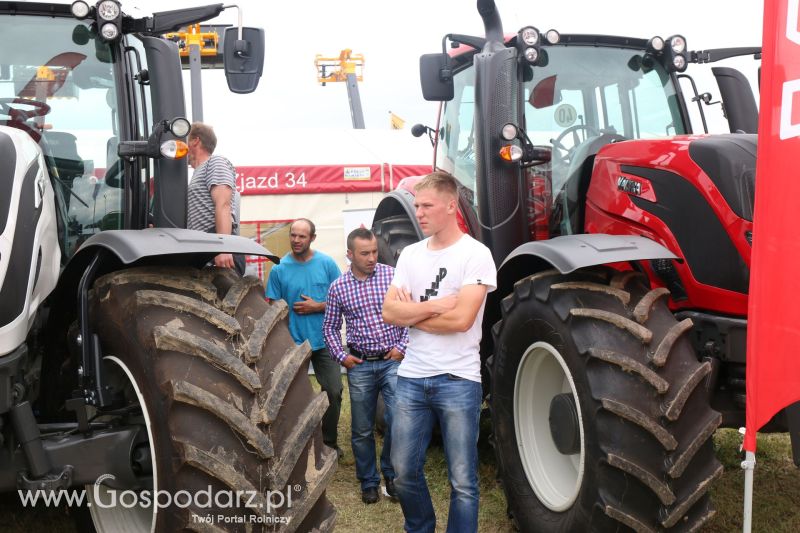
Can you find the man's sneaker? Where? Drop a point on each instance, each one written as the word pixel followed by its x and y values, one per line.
pixel 390 490
pixel 369 495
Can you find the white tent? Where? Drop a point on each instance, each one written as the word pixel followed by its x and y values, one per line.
pixel 336 178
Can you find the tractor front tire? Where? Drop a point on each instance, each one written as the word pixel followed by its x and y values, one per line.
pixel 226 399
pixel 600 418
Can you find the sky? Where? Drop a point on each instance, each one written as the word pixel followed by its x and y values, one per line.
pixel 392 36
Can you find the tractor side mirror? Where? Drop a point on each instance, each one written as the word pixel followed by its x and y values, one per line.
pixel 436 77
pixel 244 58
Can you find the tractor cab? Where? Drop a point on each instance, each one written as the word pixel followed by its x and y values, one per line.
pixel 60 83
pixel 584 93
pixel 99 92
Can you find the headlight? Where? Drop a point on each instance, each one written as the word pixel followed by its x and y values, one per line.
pixel 108 10
pixel 80 9
pixel 552 36
pixel 656 44
pixel 180 127
pixel 509 132
pixel 531 54
pixel 109 31
pixel 678 44
pixel 679 62
pixel 529 36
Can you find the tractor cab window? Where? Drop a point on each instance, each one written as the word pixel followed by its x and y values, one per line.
pixel 57 84
pixel 586 97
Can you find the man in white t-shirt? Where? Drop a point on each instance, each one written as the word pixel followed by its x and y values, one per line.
pixel 439 289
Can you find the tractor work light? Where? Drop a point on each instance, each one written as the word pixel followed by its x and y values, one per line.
pixel 552 37
pixel 511 153
pixel 109 31
pixel 80 9
pixel 174 149
pixel 509 132
pixel 678 44
pixel 529 36
pixel 676 59
pixel 528 41
pixel 108 10
pixel 108 16
pixel 655 44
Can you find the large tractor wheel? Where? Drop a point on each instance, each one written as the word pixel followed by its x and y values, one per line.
pixel 601 421
pixel 232 419
pixel 394 234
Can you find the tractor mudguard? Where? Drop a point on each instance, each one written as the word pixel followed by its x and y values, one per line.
pixel 132 245
pixel 571 252
pixel 173 246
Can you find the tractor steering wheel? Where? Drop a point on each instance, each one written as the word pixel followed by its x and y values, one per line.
pixel 40 109
pixel 565 153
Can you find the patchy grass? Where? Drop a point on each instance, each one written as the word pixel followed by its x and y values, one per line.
pixel 776 485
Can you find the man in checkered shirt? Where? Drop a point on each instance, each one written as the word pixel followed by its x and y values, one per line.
pixel 376 349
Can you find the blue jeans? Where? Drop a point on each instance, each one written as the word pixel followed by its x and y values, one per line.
pixel 366 380
pixel 456 403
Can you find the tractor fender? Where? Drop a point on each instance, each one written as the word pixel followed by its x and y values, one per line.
pixel 566 254
pixel 398 202
pixel 153 246
pixel 571 252
pixel 132 245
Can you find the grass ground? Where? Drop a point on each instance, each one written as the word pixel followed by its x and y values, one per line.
pixel 776 502
pixel 776 495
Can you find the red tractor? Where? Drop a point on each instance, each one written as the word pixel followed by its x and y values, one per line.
pixel 614 346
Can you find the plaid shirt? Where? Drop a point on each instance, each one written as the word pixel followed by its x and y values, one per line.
pixel 361 302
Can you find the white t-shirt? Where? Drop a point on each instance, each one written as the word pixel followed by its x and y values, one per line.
pixel 433 274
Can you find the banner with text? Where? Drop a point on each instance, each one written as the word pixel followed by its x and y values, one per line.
pixel 313 179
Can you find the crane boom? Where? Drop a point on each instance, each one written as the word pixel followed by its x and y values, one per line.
pixel 348 68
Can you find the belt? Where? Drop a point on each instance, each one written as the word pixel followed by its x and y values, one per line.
pixel 367 357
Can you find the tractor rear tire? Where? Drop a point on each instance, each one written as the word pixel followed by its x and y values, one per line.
pixel 226 397
pixel 600 418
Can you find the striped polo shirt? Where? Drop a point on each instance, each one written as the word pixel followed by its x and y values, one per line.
pixel 217 170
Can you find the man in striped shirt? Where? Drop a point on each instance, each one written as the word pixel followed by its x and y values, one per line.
pixel 376 349
pixel 212 201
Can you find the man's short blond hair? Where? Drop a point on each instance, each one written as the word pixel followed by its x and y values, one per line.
pixel 206 134
pixel 440 182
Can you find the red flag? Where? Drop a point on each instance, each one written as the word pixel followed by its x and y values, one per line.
pixel 773 337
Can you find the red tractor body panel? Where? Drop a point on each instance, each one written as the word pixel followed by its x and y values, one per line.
pixel 622 199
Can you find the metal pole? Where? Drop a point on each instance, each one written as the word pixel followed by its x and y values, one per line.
pixel 197 87
pixel 355 102
pixel 748 465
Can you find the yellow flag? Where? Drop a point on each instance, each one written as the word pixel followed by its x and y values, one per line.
pixel 396 122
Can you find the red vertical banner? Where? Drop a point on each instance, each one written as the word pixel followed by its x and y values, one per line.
pixel 773 336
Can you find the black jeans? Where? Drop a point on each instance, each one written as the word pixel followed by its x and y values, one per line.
pixel 329 375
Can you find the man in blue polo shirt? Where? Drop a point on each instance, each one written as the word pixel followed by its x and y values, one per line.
pixel 302 279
